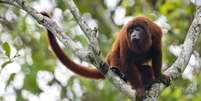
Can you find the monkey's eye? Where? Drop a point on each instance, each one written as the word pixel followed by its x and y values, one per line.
pixel 138 28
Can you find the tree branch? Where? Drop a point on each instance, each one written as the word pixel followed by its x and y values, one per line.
pixel 96 60
pixel 9 2
pixel 182 61
pixel 54 28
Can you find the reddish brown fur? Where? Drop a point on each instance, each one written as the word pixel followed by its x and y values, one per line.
pixel 125 55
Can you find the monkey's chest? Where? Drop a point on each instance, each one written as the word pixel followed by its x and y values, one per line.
pixel 141 58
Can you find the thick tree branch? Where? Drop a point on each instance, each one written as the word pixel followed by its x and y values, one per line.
pixel 192 36
pixel 182 61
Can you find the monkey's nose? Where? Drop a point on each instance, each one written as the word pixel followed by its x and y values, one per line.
pixel 135 37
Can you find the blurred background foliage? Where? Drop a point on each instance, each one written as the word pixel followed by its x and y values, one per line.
pixel 24 45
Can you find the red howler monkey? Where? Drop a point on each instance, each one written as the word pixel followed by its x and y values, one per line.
pixel 137 43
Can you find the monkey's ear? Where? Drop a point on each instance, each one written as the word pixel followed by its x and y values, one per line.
pixel 119 73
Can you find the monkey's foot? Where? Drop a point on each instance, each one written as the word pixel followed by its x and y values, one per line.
pixel 140 94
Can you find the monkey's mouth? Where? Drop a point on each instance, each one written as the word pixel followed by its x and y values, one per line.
pixel 137 44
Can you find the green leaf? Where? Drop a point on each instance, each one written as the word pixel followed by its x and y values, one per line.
pixel 6 48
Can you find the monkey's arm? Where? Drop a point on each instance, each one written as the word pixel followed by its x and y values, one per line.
pixel 113 59
pixel 157 65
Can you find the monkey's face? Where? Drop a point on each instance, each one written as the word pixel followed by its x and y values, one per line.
pixel 135 34
pixel 140 37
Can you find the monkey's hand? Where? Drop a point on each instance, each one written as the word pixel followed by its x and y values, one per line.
pixel 164 79
pixel 119 73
